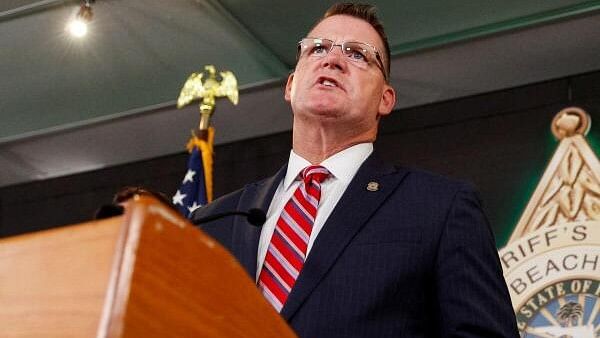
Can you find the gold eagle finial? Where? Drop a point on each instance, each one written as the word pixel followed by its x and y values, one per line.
pixel 208 91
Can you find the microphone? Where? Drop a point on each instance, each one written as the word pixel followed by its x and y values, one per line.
pixel 254 216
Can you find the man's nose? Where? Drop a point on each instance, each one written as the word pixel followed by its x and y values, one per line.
pixel 334 59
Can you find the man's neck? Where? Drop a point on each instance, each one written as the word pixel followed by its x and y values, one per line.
pixel 317 144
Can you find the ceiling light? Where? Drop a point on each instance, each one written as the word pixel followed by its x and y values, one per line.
pixel 78 26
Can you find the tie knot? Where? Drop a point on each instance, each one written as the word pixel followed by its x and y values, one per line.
pixel 315 173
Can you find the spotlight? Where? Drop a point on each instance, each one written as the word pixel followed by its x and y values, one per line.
pixel 78 26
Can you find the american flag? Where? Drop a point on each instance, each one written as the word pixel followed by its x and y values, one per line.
pixel 196 188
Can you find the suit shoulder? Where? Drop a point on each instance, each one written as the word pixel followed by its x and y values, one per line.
pixel 227 202
pixel 440 190
pixel 431 180
pixel 224 203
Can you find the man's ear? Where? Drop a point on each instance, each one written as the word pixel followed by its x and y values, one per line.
pixel 288 87
pixel 388 100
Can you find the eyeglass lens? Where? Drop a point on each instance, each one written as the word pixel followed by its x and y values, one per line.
pixel 357 52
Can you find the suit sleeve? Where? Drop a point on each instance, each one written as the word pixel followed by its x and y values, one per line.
pixel 472 295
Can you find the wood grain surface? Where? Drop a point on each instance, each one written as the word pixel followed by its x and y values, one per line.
pixel 149 273
pixel 53 283
pixel 184 284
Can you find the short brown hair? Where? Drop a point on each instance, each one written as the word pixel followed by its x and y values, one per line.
pixel 364 12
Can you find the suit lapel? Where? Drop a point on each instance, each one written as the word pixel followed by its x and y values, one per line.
pixel 350 214
pixel 245 235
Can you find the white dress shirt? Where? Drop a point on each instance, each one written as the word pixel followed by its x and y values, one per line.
pixel 342 166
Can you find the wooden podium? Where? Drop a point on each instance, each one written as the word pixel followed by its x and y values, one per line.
pixel 148 273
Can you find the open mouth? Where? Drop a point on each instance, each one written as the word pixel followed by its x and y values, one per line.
pixel 328 82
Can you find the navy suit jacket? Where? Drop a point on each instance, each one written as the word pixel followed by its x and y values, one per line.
pixel 416 258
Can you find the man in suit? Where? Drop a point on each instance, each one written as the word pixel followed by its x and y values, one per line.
pixel 354 247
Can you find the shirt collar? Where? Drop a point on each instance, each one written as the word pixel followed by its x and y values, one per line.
pixel 342 165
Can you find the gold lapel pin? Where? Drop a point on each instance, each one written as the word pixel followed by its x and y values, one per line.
pixel 373 186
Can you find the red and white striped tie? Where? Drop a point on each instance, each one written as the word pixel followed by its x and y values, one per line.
pixel 287 250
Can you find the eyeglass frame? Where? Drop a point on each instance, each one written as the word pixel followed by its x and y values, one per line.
pixel 378 58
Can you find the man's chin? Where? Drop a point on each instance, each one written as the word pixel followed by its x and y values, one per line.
pixel 326 112
pixel 326 107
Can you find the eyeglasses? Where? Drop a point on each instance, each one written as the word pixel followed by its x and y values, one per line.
pixel 359 53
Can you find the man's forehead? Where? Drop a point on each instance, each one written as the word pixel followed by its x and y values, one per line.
pixel 347 28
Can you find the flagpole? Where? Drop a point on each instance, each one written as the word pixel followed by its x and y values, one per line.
pixel 197 187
